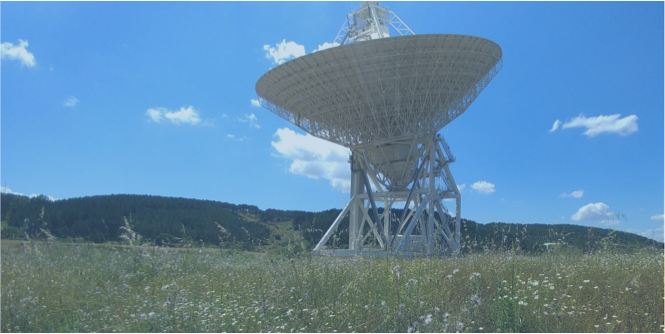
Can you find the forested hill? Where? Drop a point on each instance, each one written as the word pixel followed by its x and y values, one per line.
pixel 173 221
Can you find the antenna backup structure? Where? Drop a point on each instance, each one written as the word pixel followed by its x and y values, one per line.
pixel 385 98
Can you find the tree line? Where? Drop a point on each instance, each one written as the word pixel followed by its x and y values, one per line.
pixel 170 221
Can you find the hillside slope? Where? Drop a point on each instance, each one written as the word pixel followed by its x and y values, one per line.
pixel 173 221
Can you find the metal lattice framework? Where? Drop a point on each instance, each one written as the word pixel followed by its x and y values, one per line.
pixel 386 98
pixel 370 22
pixel 384 88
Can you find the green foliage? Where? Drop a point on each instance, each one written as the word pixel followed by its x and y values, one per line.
pixel 188 222
pixel 118 288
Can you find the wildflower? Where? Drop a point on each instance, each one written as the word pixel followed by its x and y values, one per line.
pixel 535 297
pixel 182 292
pixel 428 319
pixel 534 283
pixel 551 287
pixel 586 281
pixel 595 326
pixel 449 276
pixel 383 303
pixel 409 330
pixel 545 312
pixel 595 287
pixel 570 313
pixel 367 307
pixel 206 309
pixel 151 314
pixel 436 309
pixel 580 287
pixel 401 305
pixel 146 289
pixel 293 288
pixel 143 316
pixel 165 287
pixel 459 326
pixel 455 271
pixel 400 314
pixel 476 300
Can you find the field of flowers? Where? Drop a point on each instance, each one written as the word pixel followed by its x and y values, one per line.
pixel 91 288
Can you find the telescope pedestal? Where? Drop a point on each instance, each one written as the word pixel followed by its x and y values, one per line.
pixel 413 171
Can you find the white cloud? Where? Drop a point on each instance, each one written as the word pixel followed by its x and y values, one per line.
pixel 230 136
pixel 483 187
pixel 9 191
pixel 18 52
pixel 255 103
pixel 575 194
pixel 654 233
pixel 326 45
pixel 604 124
pixel 251 119
pixel 461 187
pixel 183 115
pixel 593 211
pixel 188 115
pixel 284 51
pixel 314 157
pixel 658 217
pixel 609 222
pixel 70 102
pixel 555 125
pixel 155 114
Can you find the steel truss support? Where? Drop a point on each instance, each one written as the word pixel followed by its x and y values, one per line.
pixel 410 170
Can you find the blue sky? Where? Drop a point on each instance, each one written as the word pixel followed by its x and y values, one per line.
pixel 156 98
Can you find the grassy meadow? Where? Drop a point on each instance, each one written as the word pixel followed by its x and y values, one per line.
pixel 59 287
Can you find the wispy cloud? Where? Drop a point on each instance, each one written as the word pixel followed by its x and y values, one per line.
pixel 658 217
pixel 284 51
pixel 325 46
pixel 255 103
pixel 9 191
pixel 461 187
pixel 314 157
pixel 70 101
pixel 653 233
pixel 555 125
pixel 602 124
pixel 483 187
pixel 593 211
pixel 18 52
pixel 251 119
pixel 184 115
pixel 575 194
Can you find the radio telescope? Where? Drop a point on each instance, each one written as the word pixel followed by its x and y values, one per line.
pixel 385 98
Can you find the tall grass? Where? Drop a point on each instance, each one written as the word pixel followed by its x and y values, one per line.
pixel 84 288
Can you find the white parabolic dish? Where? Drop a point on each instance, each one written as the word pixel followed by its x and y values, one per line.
pixel 381 89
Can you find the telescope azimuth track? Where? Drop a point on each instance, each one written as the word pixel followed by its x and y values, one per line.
pixel 385 98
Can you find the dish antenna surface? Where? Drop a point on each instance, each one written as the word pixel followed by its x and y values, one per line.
pixel 385 98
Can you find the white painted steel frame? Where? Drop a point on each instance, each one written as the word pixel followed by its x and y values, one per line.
pixel 431 183
pixel 369 20
pixel 381 89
